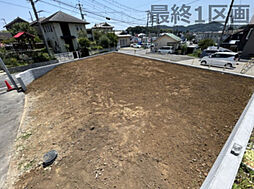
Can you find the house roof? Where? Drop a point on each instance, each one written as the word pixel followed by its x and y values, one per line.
pixel 103 25
pixel 5 35
pixel 18 35
pixel 171 35
pixel 18 19
pixel 63 17
pixel 35 22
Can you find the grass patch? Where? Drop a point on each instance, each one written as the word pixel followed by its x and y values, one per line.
pixel 245 175
pixel 26 135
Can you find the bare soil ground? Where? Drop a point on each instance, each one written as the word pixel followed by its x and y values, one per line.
pixel 119 121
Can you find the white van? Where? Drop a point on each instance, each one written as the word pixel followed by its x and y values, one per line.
pixel 166 50
pixel 221 59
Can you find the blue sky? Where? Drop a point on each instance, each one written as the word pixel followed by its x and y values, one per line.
pixel 124 13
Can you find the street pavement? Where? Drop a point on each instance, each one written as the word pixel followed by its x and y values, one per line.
pixel 11 109
pixel 4 77
pixel 183 59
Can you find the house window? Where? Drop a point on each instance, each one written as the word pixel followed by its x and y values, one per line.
pixel 77 28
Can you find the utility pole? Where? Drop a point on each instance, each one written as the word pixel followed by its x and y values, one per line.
pixel 31 16
pixel 225 25
pixel 81 13
pixel 158 27
pixel 40 26
pixel 148 13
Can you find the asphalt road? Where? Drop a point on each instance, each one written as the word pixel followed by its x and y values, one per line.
pixel 3 77
pixel 11 109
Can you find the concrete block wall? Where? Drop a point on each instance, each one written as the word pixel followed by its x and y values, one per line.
pixel 32 74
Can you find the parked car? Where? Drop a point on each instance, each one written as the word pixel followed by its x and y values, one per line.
pixel 135 45
pixel 166 50
pixel 221 59
pixel 211 50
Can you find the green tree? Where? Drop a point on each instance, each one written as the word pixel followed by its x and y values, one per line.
pixel 82 34
pixel 104 41
pixel 22 27
pixel 203 44
pixel 97 35
pixel 84 45
pixel 113 39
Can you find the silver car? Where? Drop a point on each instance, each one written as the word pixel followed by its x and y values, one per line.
pixel 221 59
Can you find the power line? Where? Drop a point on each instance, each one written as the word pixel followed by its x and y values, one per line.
pixel 14 4
pixel 123 6
pixel 85 10
pixel 122 13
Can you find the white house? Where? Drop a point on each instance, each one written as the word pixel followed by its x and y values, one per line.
pixel 61 31
pixel 123 39
pixel 103 27
pixel 167 39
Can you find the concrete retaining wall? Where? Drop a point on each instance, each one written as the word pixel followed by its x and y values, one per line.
pixel 34 65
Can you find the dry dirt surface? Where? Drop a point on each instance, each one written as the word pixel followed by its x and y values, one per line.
pixel 119 121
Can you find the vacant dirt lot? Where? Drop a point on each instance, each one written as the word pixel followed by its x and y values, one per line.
pixel 119 121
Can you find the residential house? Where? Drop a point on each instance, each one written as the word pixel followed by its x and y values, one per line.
pixel 242 40
pixel 214 35
pixel 16 20
pixel 5 36
pixel 103 27
pixel 123 39
pixel 61 31
pixel 167 39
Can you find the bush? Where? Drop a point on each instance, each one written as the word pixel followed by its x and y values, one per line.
pixel 11 62
pixel 196 53
pixel 113 39
pixel 104 41
pixel 40 57
pixel 84 45
pixel 203 44
pixel 184 49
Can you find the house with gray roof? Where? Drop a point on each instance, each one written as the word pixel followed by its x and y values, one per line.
pixel 15 21
pixel 61 31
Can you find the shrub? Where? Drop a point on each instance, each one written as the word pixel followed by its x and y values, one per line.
pixel 104 41
pixel 203 44
pixel 11 62
pixel 113 39
pixel 40 57
pixel 196 53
